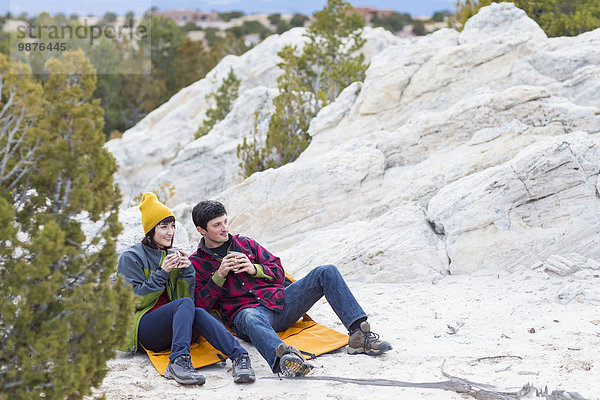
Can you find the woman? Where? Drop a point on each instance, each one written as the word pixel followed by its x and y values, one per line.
pixel 165 316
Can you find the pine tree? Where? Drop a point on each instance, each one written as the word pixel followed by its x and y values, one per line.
pixel 223 98
pixel 328 63
pixel 331 61
pixel 294 108
pixel 250 151
pixel 189 64
pixel 61 318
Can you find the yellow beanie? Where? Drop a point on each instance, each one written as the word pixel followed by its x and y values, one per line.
pixel 153 211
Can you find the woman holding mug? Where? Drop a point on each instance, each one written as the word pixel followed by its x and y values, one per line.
pixel 165 316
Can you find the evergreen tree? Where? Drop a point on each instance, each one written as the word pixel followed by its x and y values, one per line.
pixel 418 27
pixel 274 19
pixel 393 22
pixel 106 57
pixel 298 20
pixel 228 16
pixel 440 16
pixel 329 62
pixel 294 108
pixel 190 63
pixel 555 17
pixel 223 98
pixel 166 38
pixel 282 26
pixel 142 93
pixel 61 319
pixel 250 152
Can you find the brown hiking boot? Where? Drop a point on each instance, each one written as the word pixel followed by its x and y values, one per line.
pixel 291 361
pixel 363 341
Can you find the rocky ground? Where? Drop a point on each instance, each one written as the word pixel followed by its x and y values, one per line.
pixel 507 330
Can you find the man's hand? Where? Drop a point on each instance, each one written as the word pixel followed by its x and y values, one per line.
pixel 244 265
pixel 237 263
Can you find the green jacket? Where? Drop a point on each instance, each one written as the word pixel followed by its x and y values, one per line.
pixel 140 266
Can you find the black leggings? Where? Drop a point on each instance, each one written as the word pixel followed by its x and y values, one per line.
pixel 177 323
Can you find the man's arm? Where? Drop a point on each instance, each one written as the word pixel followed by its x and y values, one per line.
pixel 207 291
pixel 268 266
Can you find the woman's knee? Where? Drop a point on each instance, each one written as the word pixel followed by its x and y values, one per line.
pixel 184 302
pixel 202 315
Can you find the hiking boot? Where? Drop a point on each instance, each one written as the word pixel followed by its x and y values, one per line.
pixel 242 369
pixel 183 372
pixel 363 341
pixel 291 361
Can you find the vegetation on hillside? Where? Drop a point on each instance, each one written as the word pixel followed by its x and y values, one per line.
pixel 328 62
pixel 555 17
pixel 136 75
pixel 222 100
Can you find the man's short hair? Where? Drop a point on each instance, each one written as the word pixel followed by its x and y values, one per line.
pixel 205 211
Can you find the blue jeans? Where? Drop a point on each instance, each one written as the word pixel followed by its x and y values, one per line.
pixel 177 323
pixel 259 324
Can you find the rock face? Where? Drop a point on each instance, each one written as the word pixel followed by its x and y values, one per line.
pixel 542 202
pixel 459 151
pixel 153 146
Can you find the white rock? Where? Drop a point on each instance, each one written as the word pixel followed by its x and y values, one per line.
pixel 542 202
pixel 210 164
pixel 499 21
pixel 491 133
pixel 144 150
pixel 365 253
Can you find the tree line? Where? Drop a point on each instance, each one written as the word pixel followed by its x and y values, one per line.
pixel 126 94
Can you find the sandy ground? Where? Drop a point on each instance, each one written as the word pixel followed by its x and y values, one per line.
pixel 548 324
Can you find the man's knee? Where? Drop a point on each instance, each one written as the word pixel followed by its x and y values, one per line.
pixel 251 321
pixel 250 317
pixel 329 271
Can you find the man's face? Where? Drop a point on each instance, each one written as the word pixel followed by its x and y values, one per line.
pixel 216 232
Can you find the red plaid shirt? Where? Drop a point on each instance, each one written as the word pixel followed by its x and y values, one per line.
pixel 239 290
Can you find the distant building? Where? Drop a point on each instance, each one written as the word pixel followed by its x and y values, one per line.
pixel 11 25
pixel 182 17
pixel 369 12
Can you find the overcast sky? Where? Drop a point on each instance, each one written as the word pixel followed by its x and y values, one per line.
pixel 307 7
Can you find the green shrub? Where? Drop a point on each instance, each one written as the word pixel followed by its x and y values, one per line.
pixel 61 318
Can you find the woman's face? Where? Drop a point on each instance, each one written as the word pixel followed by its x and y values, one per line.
pixel 163 234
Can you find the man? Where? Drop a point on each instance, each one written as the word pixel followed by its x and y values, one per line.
pixel 244 282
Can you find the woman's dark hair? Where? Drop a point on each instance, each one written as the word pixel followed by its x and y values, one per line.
pixel 207 210
pixel 148 240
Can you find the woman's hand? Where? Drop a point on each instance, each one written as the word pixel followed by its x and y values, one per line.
pixel 175 260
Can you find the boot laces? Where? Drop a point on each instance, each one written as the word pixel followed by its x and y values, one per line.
pixel 368 339
pixel 184 361
pixel 243 361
